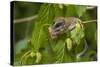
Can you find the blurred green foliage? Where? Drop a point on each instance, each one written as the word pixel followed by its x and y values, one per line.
pixel 32 41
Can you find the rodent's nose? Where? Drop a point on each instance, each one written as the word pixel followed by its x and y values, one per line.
pixel 53 34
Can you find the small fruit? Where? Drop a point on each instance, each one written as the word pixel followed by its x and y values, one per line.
pixel 69 43
pixel 38 57
pixel 78 27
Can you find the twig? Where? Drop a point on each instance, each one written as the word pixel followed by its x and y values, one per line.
pixel 25 19
pixel 35 16
pixel 89 21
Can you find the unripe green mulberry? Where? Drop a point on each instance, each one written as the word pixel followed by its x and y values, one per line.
pixel 69 43
pixel 38 57
pixel 78 27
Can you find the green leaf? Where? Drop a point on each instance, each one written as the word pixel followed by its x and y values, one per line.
pixel 77 36
pixel 38 37
pixel 80 10
pixel 75 10
pixel 58 11
pixel 45 17
pixel 70 11
pixel 47 53
pixel 46 13
pixel 59 51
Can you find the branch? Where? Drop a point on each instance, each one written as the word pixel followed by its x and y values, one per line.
pixel 35 16
pixel 89 21
pixel 25 19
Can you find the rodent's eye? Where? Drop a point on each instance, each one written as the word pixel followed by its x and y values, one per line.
pixel 58 25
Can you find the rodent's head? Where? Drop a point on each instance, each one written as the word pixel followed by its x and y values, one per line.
pixel 58 27
pixel 62 25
